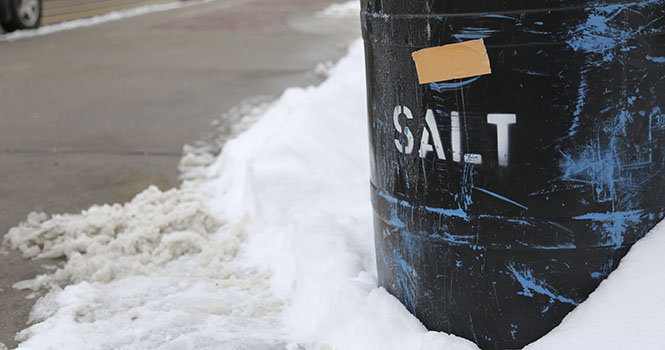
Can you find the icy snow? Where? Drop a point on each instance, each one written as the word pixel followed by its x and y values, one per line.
pixel 341 10
pixel 109 241
pixel 273 249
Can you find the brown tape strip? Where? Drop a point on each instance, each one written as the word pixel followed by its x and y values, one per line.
pixel 454 61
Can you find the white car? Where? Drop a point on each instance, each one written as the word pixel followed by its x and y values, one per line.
pixel 20 14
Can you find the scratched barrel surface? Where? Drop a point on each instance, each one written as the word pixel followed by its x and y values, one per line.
pixel 502 201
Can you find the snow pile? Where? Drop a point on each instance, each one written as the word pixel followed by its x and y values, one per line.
pixel 350 9
pixel 322 69
pixel 91 21
pixel 274 250
pixel 158 271
pixel 173 309
pixel 198 156
pixel 627 311
pixel 297 183
pixel 109 241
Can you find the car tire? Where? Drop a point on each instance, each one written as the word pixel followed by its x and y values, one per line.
pixel 23 14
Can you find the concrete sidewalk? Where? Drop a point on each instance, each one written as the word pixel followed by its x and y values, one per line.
pixel 95 115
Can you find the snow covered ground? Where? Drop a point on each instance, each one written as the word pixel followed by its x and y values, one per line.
pixel 269 246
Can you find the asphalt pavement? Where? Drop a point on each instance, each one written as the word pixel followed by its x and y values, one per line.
pixel 95 115
pixel 55 11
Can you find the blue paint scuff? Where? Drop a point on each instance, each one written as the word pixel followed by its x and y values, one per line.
pixel 446 212
pixel 471 33
pixel 613 224
pixel 501 197
pixel 656 59
pixel 602 35
pixel 532 285
pixel 448 86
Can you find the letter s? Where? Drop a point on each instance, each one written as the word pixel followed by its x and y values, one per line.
pixel 409 136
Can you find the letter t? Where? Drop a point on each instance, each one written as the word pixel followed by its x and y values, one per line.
pixel 502 121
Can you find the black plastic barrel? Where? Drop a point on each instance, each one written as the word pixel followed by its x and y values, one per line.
pixel 502 201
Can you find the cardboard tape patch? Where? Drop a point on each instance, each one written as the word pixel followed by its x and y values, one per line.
pixel 454 61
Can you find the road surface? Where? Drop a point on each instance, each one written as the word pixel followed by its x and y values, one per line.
pixel 55 11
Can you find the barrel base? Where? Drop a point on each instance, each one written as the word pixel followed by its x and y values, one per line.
pixel 447 287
